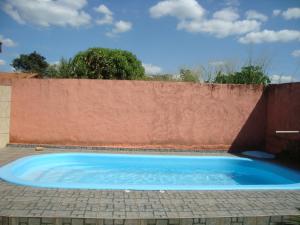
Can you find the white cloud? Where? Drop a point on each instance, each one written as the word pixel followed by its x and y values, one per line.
pixel 152 69
pixel 296 53
pixel 2 62
pixel 270 36
pixel 291 13
pixel 120 26
pixel 103 9
pixel 7 41
pixel 48 12
pixel 281 79
pixel 232 2
pixel 220 28
pixel 191 18
pixel 252 14
pixel 9 9
pixel 181 9
pixel 276 12
pixel 107 15
pixel 226 14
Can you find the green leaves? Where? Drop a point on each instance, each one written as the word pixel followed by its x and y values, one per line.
pixel 99 63
pixel 61 70
pixel 33 63
pixel 103 63
pixel 248 75
pixel 189 75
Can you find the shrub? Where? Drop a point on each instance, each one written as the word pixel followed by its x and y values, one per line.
pixel 248 75
pixel 189 75
pixel 65 69
pixel 61 70
pixel 51 71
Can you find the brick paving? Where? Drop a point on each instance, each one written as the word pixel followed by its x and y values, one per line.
pixel 22 201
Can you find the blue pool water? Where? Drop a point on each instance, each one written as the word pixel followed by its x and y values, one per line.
pixel 147 172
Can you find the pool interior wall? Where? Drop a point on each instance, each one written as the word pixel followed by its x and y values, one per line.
pixel 148 172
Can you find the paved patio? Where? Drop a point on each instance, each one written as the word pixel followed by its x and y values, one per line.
pixel 21 201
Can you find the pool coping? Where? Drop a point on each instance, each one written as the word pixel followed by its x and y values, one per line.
pixel 21 201
pixel 122 148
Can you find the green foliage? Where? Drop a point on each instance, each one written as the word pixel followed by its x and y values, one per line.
pixel 33 63
pixel 103 63
pixel 99 63
pixel 61 70
pixel 186 75
pixel 248 75
pixel 65 68
pixel 189 75
pixel 51 71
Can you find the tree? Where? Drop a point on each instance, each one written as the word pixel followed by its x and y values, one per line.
pixel 33 63
pixel 249 74
pixel 104 63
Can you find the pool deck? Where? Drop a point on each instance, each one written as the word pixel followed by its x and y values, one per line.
pixel 21 201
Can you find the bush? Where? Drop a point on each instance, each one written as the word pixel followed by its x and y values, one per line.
pixel 248 75
pixel 65 68
pixel 61 70
pixel 189 75
pixel 51 71
pixel 103 63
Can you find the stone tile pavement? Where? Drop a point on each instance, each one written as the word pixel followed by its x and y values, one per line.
pixel 21 201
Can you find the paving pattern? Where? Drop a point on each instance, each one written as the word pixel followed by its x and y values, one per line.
pixel 21 201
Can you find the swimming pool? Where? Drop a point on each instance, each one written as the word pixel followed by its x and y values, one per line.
pixel 147 172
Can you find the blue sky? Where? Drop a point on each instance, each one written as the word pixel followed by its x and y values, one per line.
pixel 164 34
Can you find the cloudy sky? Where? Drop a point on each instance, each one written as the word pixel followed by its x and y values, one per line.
pixel 164 34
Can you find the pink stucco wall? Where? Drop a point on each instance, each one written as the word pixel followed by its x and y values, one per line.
pixel 137 113
pixel 7 77
pixel 283 110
